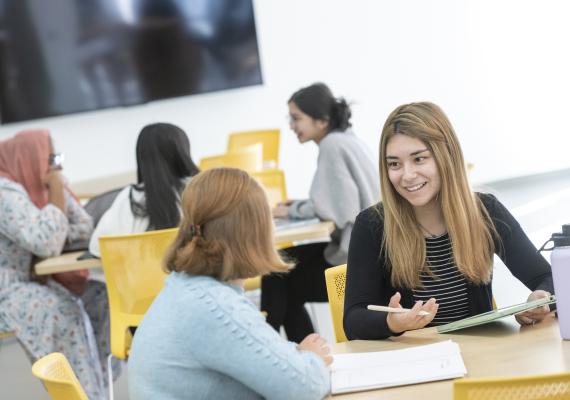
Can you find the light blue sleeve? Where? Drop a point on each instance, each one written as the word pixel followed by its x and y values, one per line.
pixel 41 232
pixel 253 353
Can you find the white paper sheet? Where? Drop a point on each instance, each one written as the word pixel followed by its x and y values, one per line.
pixel 362 371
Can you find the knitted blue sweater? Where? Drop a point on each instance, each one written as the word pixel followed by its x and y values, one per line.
pixel 203 339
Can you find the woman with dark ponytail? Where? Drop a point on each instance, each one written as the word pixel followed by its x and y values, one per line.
pixel 345 182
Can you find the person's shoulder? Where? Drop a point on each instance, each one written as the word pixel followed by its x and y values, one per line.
pixel 340 145
pixel 373 216
pixel 121 200
pixel 8 184
pixel 208 301
pixel 125 192
pixel 489 201
pixel 12 193
pixel 336 140
pixel 202 289
pixel 375 211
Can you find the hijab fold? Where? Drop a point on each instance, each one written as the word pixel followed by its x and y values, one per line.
pixel 24 159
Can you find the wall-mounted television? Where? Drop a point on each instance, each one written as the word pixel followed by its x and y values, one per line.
pixel 65 56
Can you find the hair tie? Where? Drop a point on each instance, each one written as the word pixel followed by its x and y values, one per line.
pixel 195 231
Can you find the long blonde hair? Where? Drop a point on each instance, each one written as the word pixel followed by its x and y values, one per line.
pixel 226 230
pixel 469 226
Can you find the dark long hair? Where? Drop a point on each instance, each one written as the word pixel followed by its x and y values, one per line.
pixel 163 162
pixel 318 102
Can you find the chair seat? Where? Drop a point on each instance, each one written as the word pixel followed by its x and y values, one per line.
pixel 58 377
pixel 5 331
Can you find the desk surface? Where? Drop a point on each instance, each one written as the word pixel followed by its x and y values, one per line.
pixel 65 262
pixel 319 232
pixel 498 349
pixel 284 238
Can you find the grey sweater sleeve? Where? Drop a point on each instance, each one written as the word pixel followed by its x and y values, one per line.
pixel 302 209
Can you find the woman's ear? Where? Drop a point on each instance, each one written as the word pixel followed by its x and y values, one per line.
pixel 323 124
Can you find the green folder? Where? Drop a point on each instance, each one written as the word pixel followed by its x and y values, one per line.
pixel 493 315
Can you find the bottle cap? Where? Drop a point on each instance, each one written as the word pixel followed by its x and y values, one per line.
pixel 562 239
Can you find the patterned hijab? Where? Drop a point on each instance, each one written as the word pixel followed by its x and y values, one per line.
pixel 24 159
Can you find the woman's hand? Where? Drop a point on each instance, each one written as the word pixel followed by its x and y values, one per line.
pixel 54 179
pixel 318 345
pixel 281 211
pixel 400 322
pixel 55 183
pixel 536 314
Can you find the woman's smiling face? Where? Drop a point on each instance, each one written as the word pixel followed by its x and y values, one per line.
pixel 412 170
pixel 305 127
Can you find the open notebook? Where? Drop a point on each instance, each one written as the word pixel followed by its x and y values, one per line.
pixel 363 371
pixel 495 314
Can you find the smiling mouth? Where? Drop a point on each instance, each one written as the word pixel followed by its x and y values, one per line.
pixel 415 188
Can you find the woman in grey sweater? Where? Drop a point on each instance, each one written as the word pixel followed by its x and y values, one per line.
pixel 346 182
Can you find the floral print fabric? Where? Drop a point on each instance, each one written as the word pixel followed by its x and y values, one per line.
pixel 47 317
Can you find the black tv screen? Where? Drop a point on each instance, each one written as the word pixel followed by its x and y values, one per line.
pixel 65 56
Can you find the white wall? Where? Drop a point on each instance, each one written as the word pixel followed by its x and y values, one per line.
pixel 500 69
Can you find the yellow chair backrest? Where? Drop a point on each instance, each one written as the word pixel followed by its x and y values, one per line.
pixel 248 158
pixel 269 139
pixel 537 387
pixel 58 377
pixel 273 180
pixel 207 163
pixel 335 278
pixel 133 272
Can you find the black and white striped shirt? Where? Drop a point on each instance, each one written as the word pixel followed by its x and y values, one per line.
pixel 445 283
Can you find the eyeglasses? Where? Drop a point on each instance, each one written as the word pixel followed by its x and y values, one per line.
pixel 55 160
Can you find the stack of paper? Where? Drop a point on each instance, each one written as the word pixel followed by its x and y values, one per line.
pixel 362 371
pixel 282 224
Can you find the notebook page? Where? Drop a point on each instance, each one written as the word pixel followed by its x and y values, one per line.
pixel 363 371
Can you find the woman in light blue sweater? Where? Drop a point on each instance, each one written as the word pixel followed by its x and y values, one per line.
pixel 202 338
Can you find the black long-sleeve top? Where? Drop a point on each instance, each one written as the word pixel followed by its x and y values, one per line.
pixel 368 272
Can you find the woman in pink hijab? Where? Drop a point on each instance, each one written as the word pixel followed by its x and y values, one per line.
pixel 38 214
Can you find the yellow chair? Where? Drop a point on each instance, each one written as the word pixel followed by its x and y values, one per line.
pixel 132 265
pixel 269 139
pixel 537 387
pixel 207 163
pixel 5 335
pixel 335 278
pixel 58 378
pixel 252 283
pixel 273 180
pixel 249 159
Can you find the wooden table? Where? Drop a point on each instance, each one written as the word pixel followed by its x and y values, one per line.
pixel 284 238
pixel 502 348
pixel 320 232
pixel 64 263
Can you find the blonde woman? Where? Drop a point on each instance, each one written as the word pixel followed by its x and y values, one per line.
pixel 429 244
pixel 202 338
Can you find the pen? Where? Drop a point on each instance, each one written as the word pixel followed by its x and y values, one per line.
pixel 394 310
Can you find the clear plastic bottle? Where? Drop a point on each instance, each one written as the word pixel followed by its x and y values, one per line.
pixel 560 261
